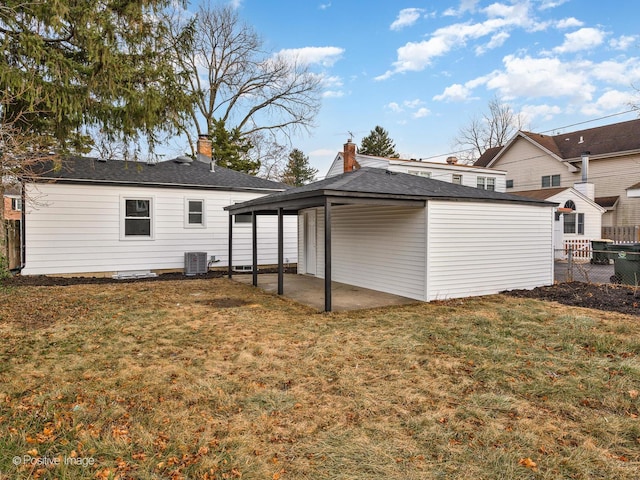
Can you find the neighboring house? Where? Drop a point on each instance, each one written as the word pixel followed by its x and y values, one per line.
pixel 578 219
pixel 417 237
pixel 602 162
pixel 115 217
pixel 452 171
pixel 12 203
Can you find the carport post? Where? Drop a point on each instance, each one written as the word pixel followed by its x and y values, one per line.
pixel 230 262
pixel 280 252
pixel 254 237
pixel 327 255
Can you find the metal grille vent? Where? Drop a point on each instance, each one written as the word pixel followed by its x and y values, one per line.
pixel 195 263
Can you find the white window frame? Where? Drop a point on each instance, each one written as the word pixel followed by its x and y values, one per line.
pixel 457 176
pixel 578 223
pixel 123 218
pixel 16 204
pixel 187 223
pixel 484 183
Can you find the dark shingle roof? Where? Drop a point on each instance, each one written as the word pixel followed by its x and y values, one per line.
pixel 378 183
pixel 170 174
pixel 604 140
pixel 541 194
pixel 487 156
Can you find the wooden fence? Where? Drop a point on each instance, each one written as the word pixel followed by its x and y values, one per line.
pixel 622 234
pixel 13 242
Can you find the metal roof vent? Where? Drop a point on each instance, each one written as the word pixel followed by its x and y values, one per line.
pixel 183 160
pixel 195 263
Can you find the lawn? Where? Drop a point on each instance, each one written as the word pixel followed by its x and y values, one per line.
pixel 211 379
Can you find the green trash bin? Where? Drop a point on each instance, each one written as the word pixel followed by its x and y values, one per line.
pixel 626 259
pixel 599 255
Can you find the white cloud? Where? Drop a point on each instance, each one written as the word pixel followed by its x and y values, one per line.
pixel 617 72
pixel 412 103
pixel 454 93
pixel 543 112
pixel 416 56
pixel 421 113
pixel 235 4
pixel 406 18
pixel 582 39
pixel 332 86
pixel 394 107
pixel 623 42
pixel 465 6
pixel 612 100
pixel 541 77
pixel 546 4
pixel 325 56
pixel 570 22
pixel 496 41
pixel 324 6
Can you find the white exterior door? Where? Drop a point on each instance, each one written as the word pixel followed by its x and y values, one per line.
pixel 310 239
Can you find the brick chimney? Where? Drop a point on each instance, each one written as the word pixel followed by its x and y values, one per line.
pixel 349 156
pixel 204 150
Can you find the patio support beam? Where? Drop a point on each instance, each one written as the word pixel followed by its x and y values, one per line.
pixel 254 241
pixel 280 251
pixel 327 254
pixel 230 262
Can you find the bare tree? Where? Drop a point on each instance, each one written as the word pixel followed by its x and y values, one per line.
pixel 232 79
pixel 492 129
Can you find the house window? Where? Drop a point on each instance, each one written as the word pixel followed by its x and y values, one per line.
pixel 137 219
pixel 550 181
pixel 194 213
pixel 509 183
pixel 420 173
pixel 574 223
pixel 16 204
pixel 457 179
pixel 487 183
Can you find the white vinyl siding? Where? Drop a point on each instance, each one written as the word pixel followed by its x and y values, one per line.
pixel 76 229
pixel 477 248
pixel 381 248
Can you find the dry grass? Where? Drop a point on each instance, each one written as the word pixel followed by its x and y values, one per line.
pixel 212 379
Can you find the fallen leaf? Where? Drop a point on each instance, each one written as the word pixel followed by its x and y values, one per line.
pixel 528 463
pixel 633 393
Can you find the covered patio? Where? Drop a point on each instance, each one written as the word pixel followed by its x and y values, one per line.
pixel 374 231
pixel 307 290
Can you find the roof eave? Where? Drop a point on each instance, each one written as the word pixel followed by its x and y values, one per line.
pixel 78 181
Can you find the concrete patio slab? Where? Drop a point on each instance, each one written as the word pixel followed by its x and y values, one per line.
pixel 309 291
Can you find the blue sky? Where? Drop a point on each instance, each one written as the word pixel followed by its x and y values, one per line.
pixel 422 69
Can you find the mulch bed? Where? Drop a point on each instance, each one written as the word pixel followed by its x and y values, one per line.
pixel 608 297
pixel 43 280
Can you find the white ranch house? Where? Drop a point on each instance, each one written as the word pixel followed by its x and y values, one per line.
pixel 94 217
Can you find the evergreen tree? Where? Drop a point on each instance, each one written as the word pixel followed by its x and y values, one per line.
pixel 68 65
pixel 378 144
pixel 231 149
pixel 298 171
